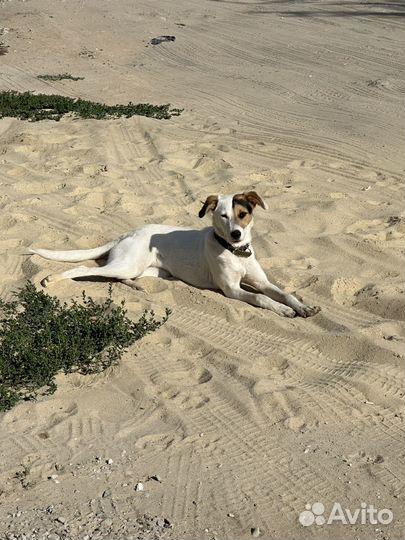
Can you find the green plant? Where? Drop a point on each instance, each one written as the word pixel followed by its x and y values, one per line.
pixel 40 336
pixel 35 107
pixel 59 77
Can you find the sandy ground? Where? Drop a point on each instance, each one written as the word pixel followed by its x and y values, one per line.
pixel 243 416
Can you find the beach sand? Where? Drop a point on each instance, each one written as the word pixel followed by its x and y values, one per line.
pixel 241 417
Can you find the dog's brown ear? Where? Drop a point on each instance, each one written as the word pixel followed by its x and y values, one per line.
pixel 254 199
pixel 210 204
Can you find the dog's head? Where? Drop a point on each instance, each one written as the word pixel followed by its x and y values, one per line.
pixel 232 215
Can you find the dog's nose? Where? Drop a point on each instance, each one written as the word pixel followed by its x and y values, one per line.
pixel 236 234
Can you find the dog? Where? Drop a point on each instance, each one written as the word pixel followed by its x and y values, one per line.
pixel 220 257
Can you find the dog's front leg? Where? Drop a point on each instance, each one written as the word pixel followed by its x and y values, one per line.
pixel 256 299
pixel 256 277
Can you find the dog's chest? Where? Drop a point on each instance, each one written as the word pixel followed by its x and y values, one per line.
pixel 232 263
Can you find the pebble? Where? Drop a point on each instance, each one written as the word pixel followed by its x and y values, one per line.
pixel 61 520
pixel 255 532
pixel 230 514
pixel 161 39
pixel 156 477
pixel 160 522
pixel 109 461
pixel 139 487
pixel 106 493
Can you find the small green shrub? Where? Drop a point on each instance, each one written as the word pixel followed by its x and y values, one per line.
pixel 60 77
pixel 40 336
pixel 35 107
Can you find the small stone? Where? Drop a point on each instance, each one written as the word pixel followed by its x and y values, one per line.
pixel 155 477
pixel 168 524
pixel 106 493
pixel 109 461
pixel 61 519
pixel 139 487
pixel 160 522
pixel 255 532
pixel 230 514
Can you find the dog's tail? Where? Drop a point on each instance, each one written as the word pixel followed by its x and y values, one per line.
pixel 75 255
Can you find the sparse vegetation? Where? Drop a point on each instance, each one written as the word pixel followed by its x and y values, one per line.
pixel 40 336
pixel 35 107
pixel 60 77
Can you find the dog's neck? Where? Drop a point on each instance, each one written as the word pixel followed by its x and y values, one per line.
pixel 239 249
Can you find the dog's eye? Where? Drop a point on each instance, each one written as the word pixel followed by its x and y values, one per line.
pixel 242 215
pixel 224 216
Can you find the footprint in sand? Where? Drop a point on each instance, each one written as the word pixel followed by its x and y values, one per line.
pixel 377 230
pixel 156 441
pixel 181 387
pixel 208 165
pixel 344 289
pixel 274 392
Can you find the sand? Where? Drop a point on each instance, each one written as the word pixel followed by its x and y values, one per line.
pixel 244 417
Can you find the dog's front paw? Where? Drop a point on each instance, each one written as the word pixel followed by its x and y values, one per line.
pixel 285 311
pixel 307 311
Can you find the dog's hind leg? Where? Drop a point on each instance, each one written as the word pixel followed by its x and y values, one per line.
pixel 149 272
pixel 111 270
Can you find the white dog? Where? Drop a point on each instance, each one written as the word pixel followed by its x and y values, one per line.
pixel 218 257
